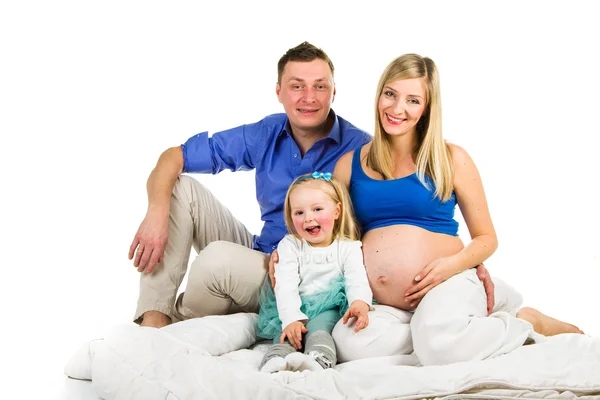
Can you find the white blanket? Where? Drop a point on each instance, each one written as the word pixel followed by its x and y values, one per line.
pixel 208 358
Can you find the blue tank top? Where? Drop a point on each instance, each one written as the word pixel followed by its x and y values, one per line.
pixel 402 201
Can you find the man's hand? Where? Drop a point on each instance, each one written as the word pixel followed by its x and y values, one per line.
pixel 488 285
pixel 359 310
pixel 294 332
pixel 150 241
pixel 274 258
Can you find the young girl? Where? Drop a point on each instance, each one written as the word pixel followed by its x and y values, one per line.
pixel 320 271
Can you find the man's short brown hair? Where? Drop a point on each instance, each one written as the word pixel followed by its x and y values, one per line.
pixel 304 52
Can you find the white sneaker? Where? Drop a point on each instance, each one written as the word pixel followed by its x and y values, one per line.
pixel 302 362
pixel 275 364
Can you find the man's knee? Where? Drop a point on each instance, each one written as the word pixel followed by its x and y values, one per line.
pixel 208 284
pixel 189 189
pixel 221 265
pixel 211 266
pixel 185 181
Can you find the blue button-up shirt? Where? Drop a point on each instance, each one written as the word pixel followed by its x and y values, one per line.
pixel 268 147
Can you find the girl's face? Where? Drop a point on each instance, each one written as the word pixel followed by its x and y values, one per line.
pixel 313 213
pixel 401 105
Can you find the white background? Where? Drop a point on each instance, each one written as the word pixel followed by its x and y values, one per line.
pixel 92 93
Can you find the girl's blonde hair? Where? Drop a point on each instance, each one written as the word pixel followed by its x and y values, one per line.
pixel 432 153
pixel 345 227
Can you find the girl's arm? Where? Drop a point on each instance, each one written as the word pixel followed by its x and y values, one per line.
pixel 288 279
pixel 360 297
pixel 355 276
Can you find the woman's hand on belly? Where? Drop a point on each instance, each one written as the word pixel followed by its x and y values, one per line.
pixel 432 275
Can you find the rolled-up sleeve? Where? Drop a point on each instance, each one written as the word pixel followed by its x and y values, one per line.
pixel 233 149
pixel 196 154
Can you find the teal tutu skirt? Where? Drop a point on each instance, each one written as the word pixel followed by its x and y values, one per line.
pixel 269 324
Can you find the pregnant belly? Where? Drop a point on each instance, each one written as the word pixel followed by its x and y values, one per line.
pixel 394 255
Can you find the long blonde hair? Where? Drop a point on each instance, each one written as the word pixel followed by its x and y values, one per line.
pixel 345 227
pixel 432 153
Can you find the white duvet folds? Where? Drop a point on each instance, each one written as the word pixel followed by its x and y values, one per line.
pixel 208 358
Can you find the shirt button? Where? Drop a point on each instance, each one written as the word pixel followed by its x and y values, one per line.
pixel 273 247
pixel 295 155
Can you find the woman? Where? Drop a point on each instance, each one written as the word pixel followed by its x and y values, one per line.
pixel 404 187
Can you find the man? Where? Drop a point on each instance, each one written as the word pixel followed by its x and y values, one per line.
pixel 232 263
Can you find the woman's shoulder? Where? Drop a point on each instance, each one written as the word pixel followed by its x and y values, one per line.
pixel 346 158
pixel 459 154
pixel 343 167
pixel 365 150
pixel 463 165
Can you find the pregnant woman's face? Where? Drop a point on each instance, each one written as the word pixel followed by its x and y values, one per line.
pixel 313 214
pixel 401 105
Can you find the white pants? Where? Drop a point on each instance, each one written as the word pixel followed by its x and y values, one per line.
pixel 449 325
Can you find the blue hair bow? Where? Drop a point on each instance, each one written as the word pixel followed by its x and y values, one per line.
pixel 321 175
pixel 315 175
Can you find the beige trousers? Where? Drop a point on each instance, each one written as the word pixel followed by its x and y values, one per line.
pixel 226 275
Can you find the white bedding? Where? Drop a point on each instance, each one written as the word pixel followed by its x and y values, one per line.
pixel 208 358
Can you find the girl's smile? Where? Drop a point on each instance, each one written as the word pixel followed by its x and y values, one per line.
pixel 313 213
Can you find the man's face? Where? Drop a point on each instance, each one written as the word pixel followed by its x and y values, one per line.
pixel 306 92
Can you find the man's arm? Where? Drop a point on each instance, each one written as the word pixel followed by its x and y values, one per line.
pixel 152 235
pixel 233 149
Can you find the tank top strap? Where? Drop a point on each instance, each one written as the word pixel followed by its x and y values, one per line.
pixel 357 170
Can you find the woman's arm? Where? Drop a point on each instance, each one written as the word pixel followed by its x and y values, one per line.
pixel 473 205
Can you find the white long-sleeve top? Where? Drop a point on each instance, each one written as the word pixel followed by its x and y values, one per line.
pixel 303 270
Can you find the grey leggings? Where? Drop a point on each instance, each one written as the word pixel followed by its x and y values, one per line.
pixel 317 341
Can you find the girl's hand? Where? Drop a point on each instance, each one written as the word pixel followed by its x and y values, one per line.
pixel 432 275
pixel 359 310
pixel 294 332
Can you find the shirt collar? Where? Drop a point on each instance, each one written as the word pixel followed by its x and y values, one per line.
pixel 334 134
